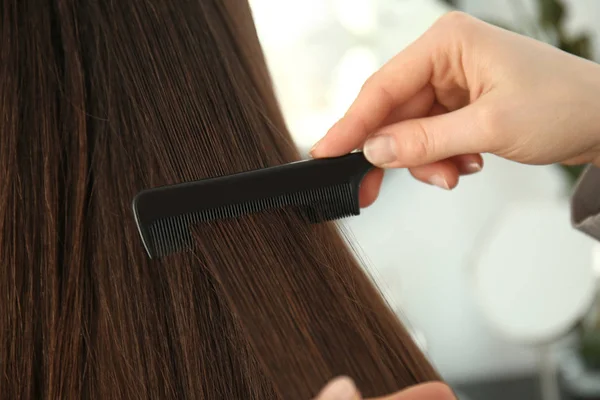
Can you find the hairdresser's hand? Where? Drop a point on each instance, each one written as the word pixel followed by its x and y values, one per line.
pixel 343 389
pixel 465 88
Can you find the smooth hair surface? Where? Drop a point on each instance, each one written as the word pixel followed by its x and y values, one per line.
pixel 100 99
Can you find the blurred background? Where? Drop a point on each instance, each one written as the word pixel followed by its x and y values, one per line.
pixel 492 280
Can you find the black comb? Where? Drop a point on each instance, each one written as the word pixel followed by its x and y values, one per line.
pixel 322 189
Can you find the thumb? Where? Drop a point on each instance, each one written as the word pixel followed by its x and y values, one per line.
pixel 340 388
pixel 425 391
pixel 421 141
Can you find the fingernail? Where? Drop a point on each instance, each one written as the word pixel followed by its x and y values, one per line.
pixel 439 181
pixel 342 388
pixel 472 167
pixel 379 150
pixel 314 147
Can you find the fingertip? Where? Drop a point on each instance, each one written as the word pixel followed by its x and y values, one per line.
pixel 443 174
pixel 314 150
pixel 340 388
pixel 346 135
pixel 429 390
pixel 328 145
pixel 369 187
pixel 452 177
pixel 468 164
pixel 321 149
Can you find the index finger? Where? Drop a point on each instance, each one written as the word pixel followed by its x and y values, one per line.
pixel 394 84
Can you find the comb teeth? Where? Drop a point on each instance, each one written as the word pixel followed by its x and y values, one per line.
pixel 320 189
pixel 174 234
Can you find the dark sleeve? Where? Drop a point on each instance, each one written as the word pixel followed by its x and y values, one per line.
pixel 585 203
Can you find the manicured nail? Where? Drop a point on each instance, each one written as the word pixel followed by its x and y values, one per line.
pixel 472 167
pixel 439 181
pixel 379 150
pixel 342 388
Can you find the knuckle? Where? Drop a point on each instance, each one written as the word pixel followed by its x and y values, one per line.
pixel 489 121
pixel 373 85
pixel 455 23
pixel 454 19
pixel 414 149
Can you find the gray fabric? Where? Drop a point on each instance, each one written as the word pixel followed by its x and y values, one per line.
pixel 585 203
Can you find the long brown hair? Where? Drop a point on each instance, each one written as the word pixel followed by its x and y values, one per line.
pixel 101 99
